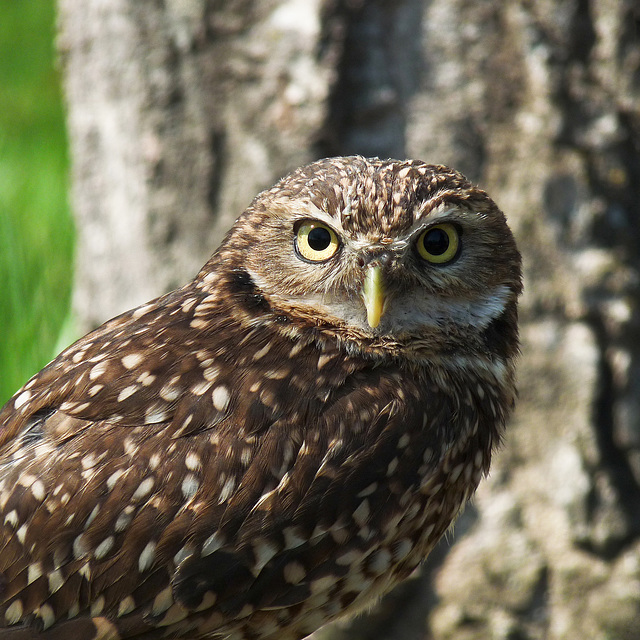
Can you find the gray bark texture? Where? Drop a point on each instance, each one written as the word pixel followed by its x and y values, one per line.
pixel 181 111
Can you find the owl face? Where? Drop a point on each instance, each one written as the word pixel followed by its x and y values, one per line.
pixel 436 261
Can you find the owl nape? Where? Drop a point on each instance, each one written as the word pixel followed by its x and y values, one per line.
pixel 282 440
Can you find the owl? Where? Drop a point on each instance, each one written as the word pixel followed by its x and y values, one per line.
pixel 282 440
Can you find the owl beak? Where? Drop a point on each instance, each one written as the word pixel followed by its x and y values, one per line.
pixel 373 294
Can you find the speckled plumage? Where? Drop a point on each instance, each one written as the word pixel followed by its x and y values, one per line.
pixel 246 457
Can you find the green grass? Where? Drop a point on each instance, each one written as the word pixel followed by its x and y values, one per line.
pixel 36 232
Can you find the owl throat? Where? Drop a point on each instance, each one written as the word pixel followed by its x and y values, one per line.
pixel 421 329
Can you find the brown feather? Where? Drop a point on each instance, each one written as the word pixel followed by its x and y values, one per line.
pixel 245 456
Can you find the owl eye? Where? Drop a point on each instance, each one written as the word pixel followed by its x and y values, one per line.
pixel 439 244
pixel 316 241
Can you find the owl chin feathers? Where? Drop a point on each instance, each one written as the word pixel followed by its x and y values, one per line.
pixel 413 315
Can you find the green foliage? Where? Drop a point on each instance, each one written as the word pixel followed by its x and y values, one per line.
pixel 36 232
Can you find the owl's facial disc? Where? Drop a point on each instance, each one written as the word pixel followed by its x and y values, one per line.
pixel 437 244
pixel 317 242
pixel 431 277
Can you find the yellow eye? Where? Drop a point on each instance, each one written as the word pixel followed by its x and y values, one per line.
pixel 439 244
pixel 316 241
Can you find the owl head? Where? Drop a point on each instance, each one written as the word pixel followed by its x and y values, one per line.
pixel 399 255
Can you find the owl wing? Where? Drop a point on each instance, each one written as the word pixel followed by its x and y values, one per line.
pixel 129 371
pixel 313 535
pixel 229 502
pixel 81 462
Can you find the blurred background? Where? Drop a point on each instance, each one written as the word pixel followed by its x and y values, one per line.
pixel 36 230
pixel 178 113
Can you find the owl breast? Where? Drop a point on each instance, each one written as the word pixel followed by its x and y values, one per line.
pixel 364 477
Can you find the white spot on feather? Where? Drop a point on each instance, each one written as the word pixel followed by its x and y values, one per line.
pixel 187 304
pixel 162 601
pixel 147 556
pixel 211 544
pixel 56 581
pixel 127 392
pixel 127 605
pixel 245 456
pixel 98 370
pixel 277 374
pixel 294 573
pixel 11 519
pixel 155 415
pixel 140 311
pixel 143 490
pixel 97 606
pixel 361 514
pixel 169 393
pixel 380 562
pixel 210 373
pixel 368 490
pixel 92 516
pixel 85 571
pixel 347 558
pixel 131 360
pixel 146 379
pixel 455 472
pixel 227 490
pixel 402 549
pixel 103 548
pixel 292 538
pixel 25 396
pixel 113 478
pixel 88 461
pixel 190 486
pixel 262 352
pixel 198 323
pixel 323 584
pixel 182 555
pixel 404 441
pixel 34 572
pixel 13 614
pixel 263 551
pixel 220 397
pixel 79 547
pixel 22 533
pixel 324 359
pixel 201 388
pixel 124 519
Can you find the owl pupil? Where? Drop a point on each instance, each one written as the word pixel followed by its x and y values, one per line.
pixel 436 242
pixel 319 239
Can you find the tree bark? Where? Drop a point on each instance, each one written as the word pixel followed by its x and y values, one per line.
pixel 180 112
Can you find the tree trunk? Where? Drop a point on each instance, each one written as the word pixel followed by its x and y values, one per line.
pixel 180 112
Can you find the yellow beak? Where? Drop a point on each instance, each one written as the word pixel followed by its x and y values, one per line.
pixel 373 294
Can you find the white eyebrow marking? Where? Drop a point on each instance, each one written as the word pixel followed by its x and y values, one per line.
pixel 443 210
pixel 311 211
pixel 433 216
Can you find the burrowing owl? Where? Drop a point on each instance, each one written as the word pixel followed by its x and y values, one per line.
pixel 283 439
